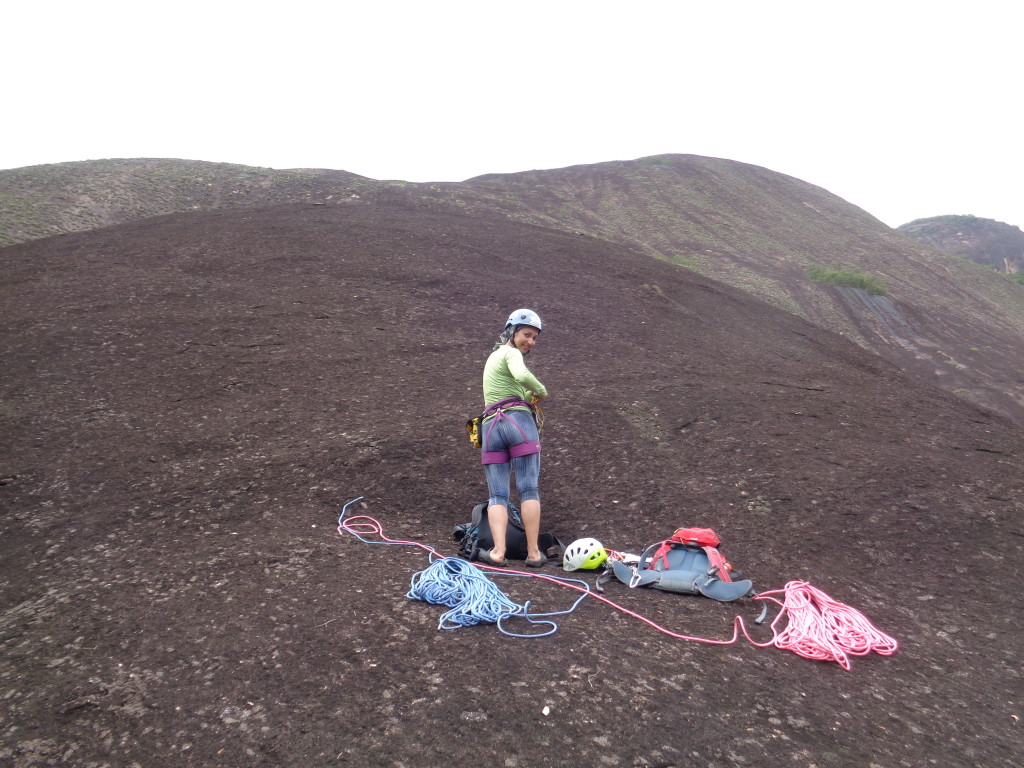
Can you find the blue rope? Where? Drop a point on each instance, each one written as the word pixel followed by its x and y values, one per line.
pixel 472 597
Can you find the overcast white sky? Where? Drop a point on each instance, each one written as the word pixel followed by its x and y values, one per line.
pixel 907 109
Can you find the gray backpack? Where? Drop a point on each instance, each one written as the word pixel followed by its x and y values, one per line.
pixel 689 563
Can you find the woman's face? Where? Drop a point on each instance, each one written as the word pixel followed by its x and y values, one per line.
pixel 525 339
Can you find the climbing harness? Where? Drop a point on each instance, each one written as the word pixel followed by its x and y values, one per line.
pixel 474 426
pixel 494 413
pixel 819 627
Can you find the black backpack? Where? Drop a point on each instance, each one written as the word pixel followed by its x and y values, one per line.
pixel 475 537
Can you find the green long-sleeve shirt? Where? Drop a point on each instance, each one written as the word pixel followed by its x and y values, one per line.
pixel 506 375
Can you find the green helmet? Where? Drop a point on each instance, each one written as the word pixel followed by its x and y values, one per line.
pixel 584 554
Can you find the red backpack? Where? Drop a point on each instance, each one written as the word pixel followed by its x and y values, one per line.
pixel 706 539
pixel 687 562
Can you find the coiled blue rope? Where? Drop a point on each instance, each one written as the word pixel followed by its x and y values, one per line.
pixel 472 597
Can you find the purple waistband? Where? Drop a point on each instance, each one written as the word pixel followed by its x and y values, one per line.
pixel 508 402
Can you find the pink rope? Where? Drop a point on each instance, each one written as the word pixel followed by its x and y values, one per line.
pixel 824 629
pixel 819 627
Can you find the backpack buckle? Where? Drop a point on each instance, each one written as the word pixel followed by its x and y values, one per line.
pixel 635 578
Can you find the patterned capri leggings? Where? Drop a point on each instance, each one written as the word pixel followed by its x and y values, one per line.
pixel 500 437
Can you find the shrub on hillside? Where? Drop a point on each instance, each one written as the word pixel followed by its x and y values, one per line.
pixel 848 278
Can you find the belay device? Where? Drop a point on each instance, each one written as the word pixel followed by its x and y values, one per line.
pixel 689 562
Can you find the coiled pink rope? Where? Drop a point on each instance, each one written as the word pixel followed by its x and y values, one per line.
pixel 824 629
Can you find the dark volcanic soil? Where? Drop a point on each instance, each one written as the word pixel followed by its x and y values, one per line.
pixel 187 402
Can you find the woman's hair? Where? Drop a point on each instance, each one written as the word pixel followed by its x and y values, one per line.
pixel 507 334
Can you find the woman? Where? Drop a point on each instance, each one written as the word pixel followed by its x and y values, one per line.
pixel 510 439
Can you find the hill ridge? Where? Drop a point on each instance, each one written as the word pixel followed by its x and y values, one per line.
pixel 741 224
pixel 991 243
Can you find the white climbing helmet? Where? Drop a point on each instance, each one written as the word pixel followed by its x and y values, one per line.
pixel 524 317
pixel 584 554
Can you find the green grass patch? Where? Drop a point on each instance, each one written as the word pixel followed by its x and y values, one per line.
pixel 848 278
pixel 689 262
pixel 653 160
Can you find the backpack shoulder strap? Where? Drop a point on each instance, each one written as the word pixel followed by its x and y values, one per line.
pixel 466 534
pixel 719 566
pixel 548 542
pixel 654 554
